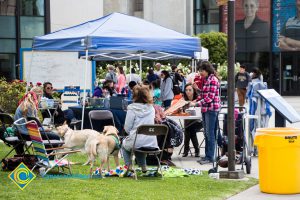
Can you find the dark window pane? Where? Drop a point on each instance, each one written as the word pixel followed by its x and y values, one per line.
pixel 8 66
pixel 207 28
pixel 32 26
pixel 7 46
pixel 197 4
pixel 8 7
pixel 8 27
pixel 26 43
pixel 139 5
pixel 32 8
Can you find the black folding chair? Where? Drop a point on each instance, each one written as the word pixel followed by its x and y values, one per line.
pixel 101 115
pixel 150 130
pixel 11 141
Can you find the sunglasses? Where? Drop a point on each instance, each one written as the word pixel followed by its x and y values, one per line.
pixel 49 88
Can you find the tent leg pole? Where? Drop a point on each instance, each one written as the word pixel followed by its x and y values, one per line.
pixel 130 70
pixel 141 66
pixel 84 91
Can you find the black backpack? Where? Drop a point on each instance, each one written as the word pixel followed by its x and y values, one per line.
pixel 176 89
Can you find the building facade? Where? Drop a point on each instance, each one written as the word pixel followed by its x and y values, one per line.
pixel 21 20
pixel 267 36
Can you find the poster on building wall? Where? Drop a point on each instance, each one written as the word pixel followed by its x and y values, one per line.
pixel 286 25
pixel 252 25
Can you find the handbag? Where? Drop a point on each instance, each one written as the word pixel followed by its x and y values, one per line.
pixel 11 163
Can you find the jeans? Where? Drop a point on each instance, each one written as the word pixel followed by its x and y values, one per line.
pixel 210 129
pixel 140 157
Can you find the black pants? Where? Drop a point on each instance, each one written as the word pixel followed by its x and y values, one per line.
pixel 191 134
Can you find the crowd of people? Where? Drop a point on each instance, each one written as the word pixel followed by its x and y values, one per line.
pixel 149 98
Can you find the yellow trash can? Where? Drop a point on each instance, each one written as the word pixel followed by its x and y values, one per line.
pixel 279 160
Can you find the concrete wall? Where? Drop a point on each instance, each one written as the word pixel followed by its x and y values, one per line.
pixel 66 13
pixel 173 14
pixel 122 6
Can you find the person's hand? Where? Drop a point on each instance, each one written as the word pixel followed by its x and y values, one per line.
pixel 192 104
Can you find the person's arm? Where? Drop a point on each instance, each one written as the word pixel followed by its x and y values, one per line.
pixel 286 44
pixel 129 121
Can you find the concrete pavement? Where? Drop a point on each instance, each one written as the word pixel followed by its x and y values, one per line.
pixel 252 193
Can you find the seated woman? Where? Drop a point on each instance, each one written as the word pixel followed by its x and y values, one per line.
pixel 140 112
pixel 190 94
pixel 28 107
pixel 59 116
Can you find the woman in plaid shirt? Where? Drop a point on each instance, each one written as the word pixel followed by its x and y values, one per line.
pixel 209 101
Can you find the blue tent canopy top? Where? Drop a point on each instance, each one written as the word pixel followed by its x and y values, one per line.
pixel 118 32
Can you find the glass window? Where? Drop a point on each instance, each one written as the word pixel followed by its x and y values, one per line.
pixel 139 5
pixel 32 26
pixel 26 43
pixel 8 7
pixel 8 27
pixel 207 28
pixel 206 16
pixel 7 45
pixel 32 8
pixel 8 66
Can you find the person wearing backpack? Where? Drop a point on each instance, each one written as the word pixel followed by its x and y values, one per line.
pixel 176 78
pixel 166 87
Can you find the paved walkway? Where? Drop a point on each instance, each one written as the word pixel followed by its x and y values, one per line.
pixel 254 192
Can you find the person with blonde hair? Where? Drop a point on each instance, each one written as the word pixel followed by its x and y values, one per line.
pixel 28 107
pixel 140 112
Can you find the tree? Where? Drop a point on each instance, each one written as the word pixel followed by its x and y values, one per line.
pixel 216 43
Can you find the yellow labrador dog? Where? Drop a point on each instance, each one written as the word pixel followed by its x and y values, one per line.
pixel 76 139
pixel 104 145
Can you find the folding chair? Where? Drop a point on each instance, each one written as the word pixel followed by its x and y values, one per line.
pixel 15 141
pixel 100 115
pixel 41 152
pixel 150 130
pixel 47 142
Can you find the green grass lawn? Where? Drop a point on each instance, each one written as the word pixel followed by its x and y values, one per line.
pixel 192 187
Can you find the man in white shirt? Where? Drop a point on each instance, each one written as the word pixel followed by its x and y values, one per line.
pixel 133 77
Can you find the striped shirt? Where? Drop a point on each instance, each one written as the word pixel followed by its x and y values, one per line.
pixel 209 98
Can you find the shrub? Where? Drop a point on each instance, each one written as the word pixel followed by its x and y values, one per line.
pixel 11 93
pixel 216 43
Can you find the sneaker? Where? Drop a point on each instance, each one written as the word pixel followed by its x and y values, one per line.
pixel 167 162
pixel 185 154
pixel 202 158
pixel 144 169
pixel 203 162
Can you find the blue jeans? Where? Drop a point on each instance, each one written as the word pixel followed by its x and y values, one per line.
pixel 140 157
pixel 210 129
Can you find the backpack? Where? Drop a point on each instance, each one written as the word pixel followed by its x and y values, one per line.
pixel 175 134
pixel 176 89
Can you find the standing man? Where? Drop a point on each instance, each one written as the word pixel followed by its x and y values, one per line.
pixel 157 69
pixel 242 78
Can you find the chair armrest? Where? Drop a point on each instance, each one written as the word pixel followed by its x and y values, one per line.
pixel 65 152
pixel 62 147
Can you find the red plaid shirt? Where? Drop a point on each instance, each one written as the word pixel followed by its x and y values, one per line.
pixel 209 98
